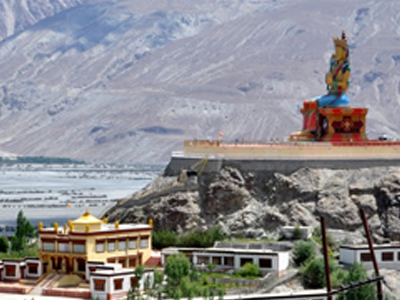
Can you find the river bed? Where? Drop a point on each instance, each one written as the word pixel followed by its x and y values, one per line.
pixel 55 193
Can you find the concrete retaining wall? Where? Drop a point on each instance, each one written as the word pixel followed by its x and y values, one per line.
pixel 284 166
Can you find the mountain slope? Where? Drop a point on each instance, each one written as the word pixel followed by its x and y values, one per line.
pixel 129 80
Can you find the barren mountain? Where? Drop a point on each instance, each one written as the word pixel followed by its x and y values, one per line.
pixel 260 203
pixel 128 80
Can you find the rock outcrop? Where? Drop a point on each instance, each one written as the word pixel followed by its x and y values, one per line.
pixel 259 203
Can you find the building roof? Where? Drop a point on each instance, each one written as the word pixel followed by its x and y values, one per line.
pixel 366 247
pixel 87 219
pixel 200 251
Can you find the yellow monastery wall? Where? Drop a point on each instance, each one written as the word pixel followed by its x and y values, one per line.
pixel 299 150
pixel 90 241
pixel 103 256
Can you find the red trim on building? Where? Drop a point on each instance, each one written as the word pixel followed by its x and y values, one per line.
pixel 105 232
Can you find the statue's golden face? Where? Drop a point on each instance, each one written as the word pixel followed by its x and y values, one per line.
pixel 340 53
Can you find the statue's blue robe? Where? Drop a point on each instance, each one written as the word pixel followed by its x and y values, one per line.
pixel 332 100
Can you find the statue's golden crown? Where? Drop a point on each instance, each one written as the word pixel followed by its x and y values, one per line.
pixel 341 42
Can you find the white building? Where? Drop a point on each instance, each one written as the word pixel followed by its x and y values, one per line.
pixel 112 281
pixel 12 270
pixel 228 256
pixel 387 255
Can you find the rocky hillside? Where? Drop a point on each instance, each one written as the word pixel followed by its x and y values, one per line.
pixel 128 80
pixel 258 204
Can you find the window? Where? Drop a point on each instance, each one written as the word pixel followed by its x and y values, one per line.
pixel 79 248
pixel 63 247
pixel 48 246
pixel 99 247
pixel 111 246
pixel 10 271
pixel 387 256
pixel 118 284
pixel 132 244
pixel 266 263
pixel 217 260
pixel 144 242
pixel 121 245
pixel 99 284
pixel 132 262
pixel 244 261
pixel 203 260
pixel 134 282
pixel 366 257
pixel 81 265
pixel 33 269
pixel 228 261
pixel 122 261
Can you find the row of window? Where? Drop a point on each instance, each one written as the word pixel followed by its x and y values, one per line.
pixel 32 269
pixel 122 244
pixel 385 256
pixel 63 247
pixel 229 261
pixel 100 284
pixel 100 246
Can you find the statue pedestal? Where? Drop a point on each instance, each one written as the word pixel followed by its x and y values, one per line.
pixel 335 124
pixel 342 124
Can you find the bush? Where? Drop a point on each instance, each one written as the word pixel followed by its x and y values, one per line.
pixel 163 239
pixel 367 292
pixel 297 233
pixel 249 270
pixel 303 251
pixel 313 274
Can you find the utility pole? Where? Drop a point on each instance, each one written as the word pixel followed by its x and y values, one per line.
pixel 372 253
pixel 326 260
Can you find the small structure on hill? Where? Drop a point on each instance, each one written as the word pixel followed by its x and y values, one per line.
pixel 226 256
pixel 387 255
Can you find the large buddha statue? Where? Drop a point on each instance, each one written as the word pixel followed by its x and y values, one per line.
pixel 337 81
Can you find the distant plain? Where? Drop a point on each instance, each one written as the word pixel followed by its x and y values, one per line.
pixel 55 193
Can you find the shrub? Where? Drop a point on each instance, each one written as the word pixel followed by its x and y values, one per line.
pixel 164 239
pixel 367 292
pixel 303 251
pixel 249 270
pixel 313 274
pixel 297 233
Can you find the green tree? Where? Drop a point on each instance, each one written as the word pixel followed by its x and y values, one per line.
pixel 4 245
pixel 139 271
pixel 303 251
pixel 249 270
pixel 367 292
pixel 176 268
pixel 313 273
pixel 164 239
pixel 158 278
pixel 23 233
